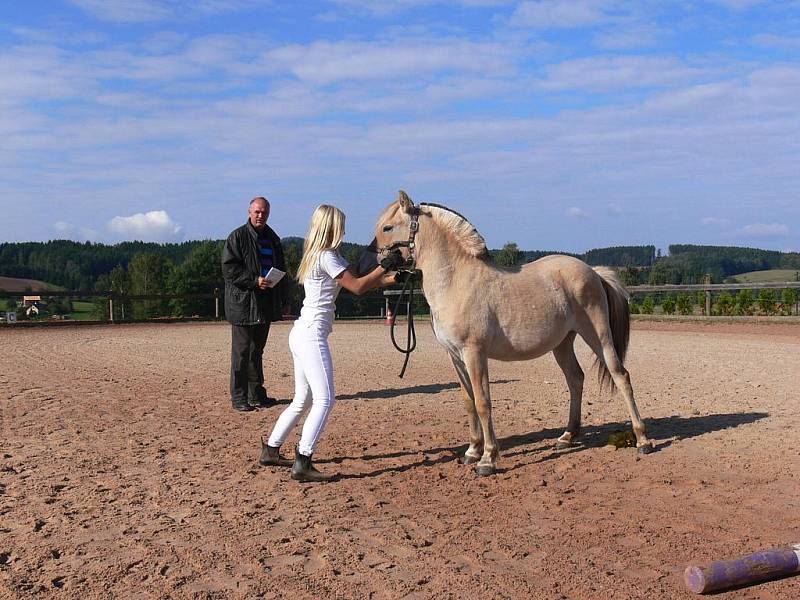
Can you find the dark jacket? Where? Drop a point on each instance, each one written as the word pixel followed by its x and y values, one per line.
pixel 245 304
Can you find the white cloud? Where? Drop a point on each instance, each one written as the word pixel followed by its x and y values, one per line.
pixel 148 11
pixel 125 11
pixel 738 4
pixel 770 40
pixel 714 222
pixel 389 7
pixel 68 231
pixel 576 213
pixel 41 73
pixel 324 63
pixel 635 35
pixel 697 97
pixel 614 209
pixel 543 14
pixel 600 73
pixel 153 226
pixel 764 230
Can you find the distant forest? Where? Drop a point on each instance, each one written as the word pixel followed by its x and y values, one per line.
pixel 194 267
pixel 79 266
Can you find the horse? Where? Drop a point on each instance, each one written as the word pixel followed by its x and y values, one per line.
pixel 481 311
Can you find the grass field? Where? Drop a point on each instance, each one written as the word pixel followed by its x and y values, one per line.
pixel 81 311
pixel 766 276
pixel 16 284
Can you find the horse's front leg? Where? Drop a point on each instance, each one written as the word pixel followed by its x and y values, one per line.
pixel 478 371
pixel 473 453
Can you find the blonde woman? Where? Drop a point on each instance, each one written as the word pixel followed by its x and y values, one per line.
pixel 323 272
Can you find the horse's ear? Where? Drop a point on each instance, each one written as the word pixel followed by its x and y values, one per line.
pixel 404 201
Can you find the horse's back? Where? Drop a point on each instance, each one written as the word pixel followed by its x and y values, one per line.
pixel 553 263
pixel 569 273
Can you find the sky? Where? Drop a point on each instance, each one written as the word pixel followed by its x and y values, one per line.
pixel 555 124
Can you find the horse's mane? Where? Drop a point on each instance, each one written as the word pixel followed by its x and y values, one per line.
pixel 463 231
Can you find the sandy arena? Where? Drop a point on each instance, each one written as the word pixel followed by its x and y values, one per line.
pixel 124 473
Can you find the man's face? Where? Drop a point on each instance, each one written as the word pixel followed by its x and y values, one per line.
pixel 259 213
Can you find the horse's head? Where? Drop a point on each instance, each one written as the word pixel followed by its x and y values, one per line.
pixel 393 230
pixel 392 227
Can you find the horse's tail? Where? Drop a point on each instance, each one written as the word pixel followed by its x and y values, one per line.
pixel 619 319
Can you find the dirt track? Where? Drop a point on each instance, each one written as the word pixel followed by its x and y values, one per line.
pixel 124 473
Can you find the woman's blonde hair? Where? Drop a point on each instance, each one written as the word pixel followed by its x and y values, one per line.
pixel 326 233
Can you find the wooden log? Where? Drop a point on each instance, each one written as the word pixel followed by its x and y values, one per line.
pixel 746 570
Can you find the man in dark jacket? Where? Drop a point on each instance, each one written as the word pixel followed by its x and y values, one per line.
pixel 250 303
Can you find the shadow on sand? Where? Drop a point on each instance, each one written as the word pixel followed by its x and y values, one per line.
pixel 592 436
pixel 433 388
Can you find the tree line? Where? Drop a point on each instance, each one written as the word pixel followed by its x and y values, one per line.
pixel 139 268
pixel 690 264
pixel 76 265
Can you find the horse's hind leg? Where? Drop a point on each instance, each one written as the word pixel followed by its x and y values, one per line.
pixel 600 341
pixel 566 359
pixel 623 382
pixel 473 453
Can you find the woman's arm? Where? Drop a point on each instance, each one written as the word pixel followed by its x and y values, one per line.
pixel 360 285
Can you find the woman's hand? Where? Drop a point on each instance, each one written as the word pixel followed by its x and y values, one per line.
pixel 389 278
pixel 392 261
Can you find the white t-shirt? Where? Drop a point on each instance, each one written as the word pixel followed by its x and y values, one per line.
pixel 322 289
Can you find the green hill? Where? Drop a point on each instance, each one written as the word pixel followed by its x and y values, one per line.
pixel 770 275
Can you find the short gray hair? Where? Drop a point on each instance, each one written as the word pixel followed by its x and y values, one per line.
pixel 259 199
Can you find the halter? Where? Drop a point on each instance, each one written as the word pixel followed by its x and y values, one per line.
pixel 413 228
pixel 411 268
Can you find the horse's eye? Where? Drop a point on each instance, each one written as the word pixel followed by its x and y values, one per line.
pixel 387 228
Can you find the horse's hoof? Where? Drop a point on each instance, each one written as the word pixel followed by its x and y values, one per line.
pixel 468 460
pixel 484 470
pixel 646 449
pixel 563 445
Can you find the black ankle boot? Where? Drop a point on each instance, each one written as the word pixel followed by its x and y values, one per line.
pixel 242 405
pixel 303 470
pixel 271 456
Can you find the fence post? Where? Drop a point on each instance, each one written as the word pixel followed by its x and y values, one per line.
pixel 216 303
pixel 111 308
pixel 708 296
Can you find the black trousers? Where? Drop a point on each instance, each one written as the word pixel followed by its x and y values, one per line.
pixel 247 370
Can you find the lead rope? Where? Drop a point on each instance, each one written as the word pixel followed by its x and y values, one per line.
pixel 411 339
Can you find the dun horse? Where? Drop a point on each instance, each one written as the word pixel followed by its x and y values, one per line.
pixel 480 311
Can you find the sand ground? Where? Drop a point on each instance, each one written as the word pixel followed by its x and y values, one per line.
pixel 124 473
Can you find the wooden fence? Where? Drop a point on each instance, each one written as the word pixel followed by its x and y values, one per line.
pixel 708 288
pixel 111 297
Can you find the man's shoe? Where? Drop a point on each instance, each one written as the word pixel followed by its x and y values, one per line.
pixel 271 456
pixel 242 406
pixel 262 402
pixel 304 471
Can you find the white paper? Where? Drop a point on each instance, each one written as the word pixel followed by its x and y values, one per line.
pixel 273 276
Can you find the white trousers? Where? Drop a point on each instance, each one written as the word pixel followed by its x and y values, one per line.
pixel 313 388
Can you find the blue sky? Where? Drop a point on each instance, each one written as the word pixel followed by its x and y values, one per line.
pixel 554 124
